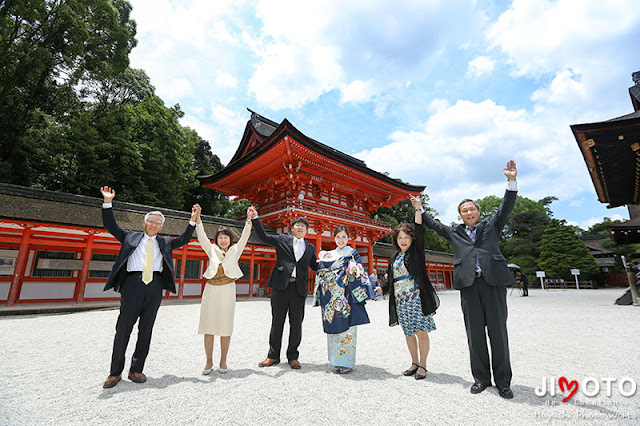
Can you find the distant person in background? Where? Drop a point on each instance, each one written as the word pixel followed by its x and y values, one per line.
pixel 218 303
pixel 373 278
pixel 522 279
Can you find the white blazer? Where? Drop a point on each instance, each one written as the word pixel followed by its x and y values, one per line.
pixel 229 259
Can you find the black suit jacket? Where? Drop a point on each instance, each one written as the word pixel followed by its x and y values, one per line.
pixel 130 240
pixel 286 260
pixel 486 246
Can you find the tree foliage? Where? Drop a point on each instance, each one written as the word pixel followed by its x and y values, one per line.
pixel 75 117
pixel 562 250
pixel 46 49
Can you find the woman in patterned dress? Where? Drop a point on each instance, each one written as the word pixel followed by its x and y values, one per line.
pixel 412 299
pixel 218 303
pixel 342 287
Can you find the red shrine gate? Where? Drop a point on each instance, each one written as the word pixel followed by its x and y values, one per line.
pixel 287 174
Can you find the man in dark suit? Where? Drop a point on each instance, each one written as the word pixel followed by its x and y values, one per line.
pixel 289 280
pixel 143 268
pixel 481 274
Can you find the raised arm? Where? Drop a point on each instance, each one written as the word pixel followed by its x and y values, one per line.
pixel 422 217
pixel 108 218
pixel 203 239
pixel 244 238
pixel 186 235
pixel 509 201
pixel 416 202
pixel 263 236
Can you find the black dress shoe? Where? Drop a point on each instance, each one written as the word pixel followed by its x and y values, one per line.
pixel 411 371
pixel 479 387
pixel 505 392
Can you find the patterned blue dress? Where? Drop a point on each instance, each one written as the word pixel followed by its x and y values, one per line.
pixel 342 297
pixel 408 304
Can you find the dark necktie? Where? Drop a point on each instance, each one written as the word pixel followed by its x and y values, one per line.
pixel 472 234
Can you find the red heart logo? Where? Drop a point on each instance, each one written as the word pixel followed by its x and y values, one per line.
pixel 563 382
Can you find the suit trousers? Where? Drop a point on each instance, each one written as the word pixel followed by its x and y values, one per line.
pixel 141 301
pixel 485 308
pixel 283 302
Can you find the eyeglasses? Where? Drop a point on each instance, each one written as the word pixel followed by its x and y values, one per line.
pixel 153 222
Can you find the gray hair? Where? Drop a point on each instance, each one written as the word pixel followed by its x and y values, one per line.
pixel 467 200
pixel 155 213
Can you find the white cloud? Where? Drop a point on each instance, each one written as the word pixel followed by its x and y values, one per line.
pixel 480 66
pixel 582 45
pixel 564 89
pixel 310 48
pixel 226 80
pixel 586 224
pixel 223 130
pixel 175 88
pixel 358 91
pixel 461 150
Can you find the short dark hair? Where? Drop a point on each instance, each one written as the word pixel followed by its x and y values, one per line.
pixel 300 219
pixel 468 200
pixel 407 228
pixel 226 231
pixel 341 228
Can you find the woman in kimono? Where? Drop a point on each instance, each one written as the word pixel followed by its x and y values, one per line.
pixel 412 299
pixel 219 297
pixel 342 287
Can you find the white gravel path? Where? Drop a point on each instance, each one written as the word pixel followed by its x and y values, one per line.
pixel 52 368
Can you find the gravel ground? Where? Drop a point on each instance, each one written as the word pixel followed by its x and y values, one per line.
pixel 53 367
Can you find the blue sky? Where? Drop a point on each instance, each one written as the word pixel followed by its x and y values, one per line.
pixel 440 93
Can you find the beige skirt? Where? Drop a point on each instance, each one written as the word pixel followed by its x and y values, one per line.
pixel 217 309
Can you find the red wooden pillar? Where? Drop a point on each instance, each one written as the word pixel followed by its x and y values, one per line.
pixel 21 264
pixel 251 266
pixel 370 257
pixel 183 268
pixel 81 284
pixel 319 231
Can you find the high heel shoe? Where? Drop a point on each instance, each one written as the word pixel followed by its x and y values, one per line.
pixel 412 371
pixel 420 376
pixel 207 371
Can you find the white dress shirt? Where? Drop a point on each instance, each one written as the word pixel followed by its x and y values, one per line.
pixel 299 247
pixel 136 260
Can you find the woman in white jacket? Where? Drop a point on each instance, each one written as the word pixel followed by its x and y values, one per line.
pixel 219 297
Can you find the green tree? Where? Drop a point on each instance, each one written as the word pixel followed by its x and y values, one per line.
pixel 46 48
pixel 562 250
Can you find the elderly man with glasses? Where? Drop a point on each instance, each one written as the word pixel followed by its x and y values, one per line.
pixel 143 268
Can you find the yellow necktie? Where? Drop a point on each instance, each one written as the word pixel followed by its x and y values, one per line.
pixel 147 270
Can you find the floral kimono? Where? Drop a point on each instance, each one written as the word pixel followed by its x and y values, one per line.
pixel 342 287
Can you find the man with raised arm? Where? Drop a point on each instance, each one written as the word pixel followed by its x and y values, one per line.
pixel 482 276
pixel 143 268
